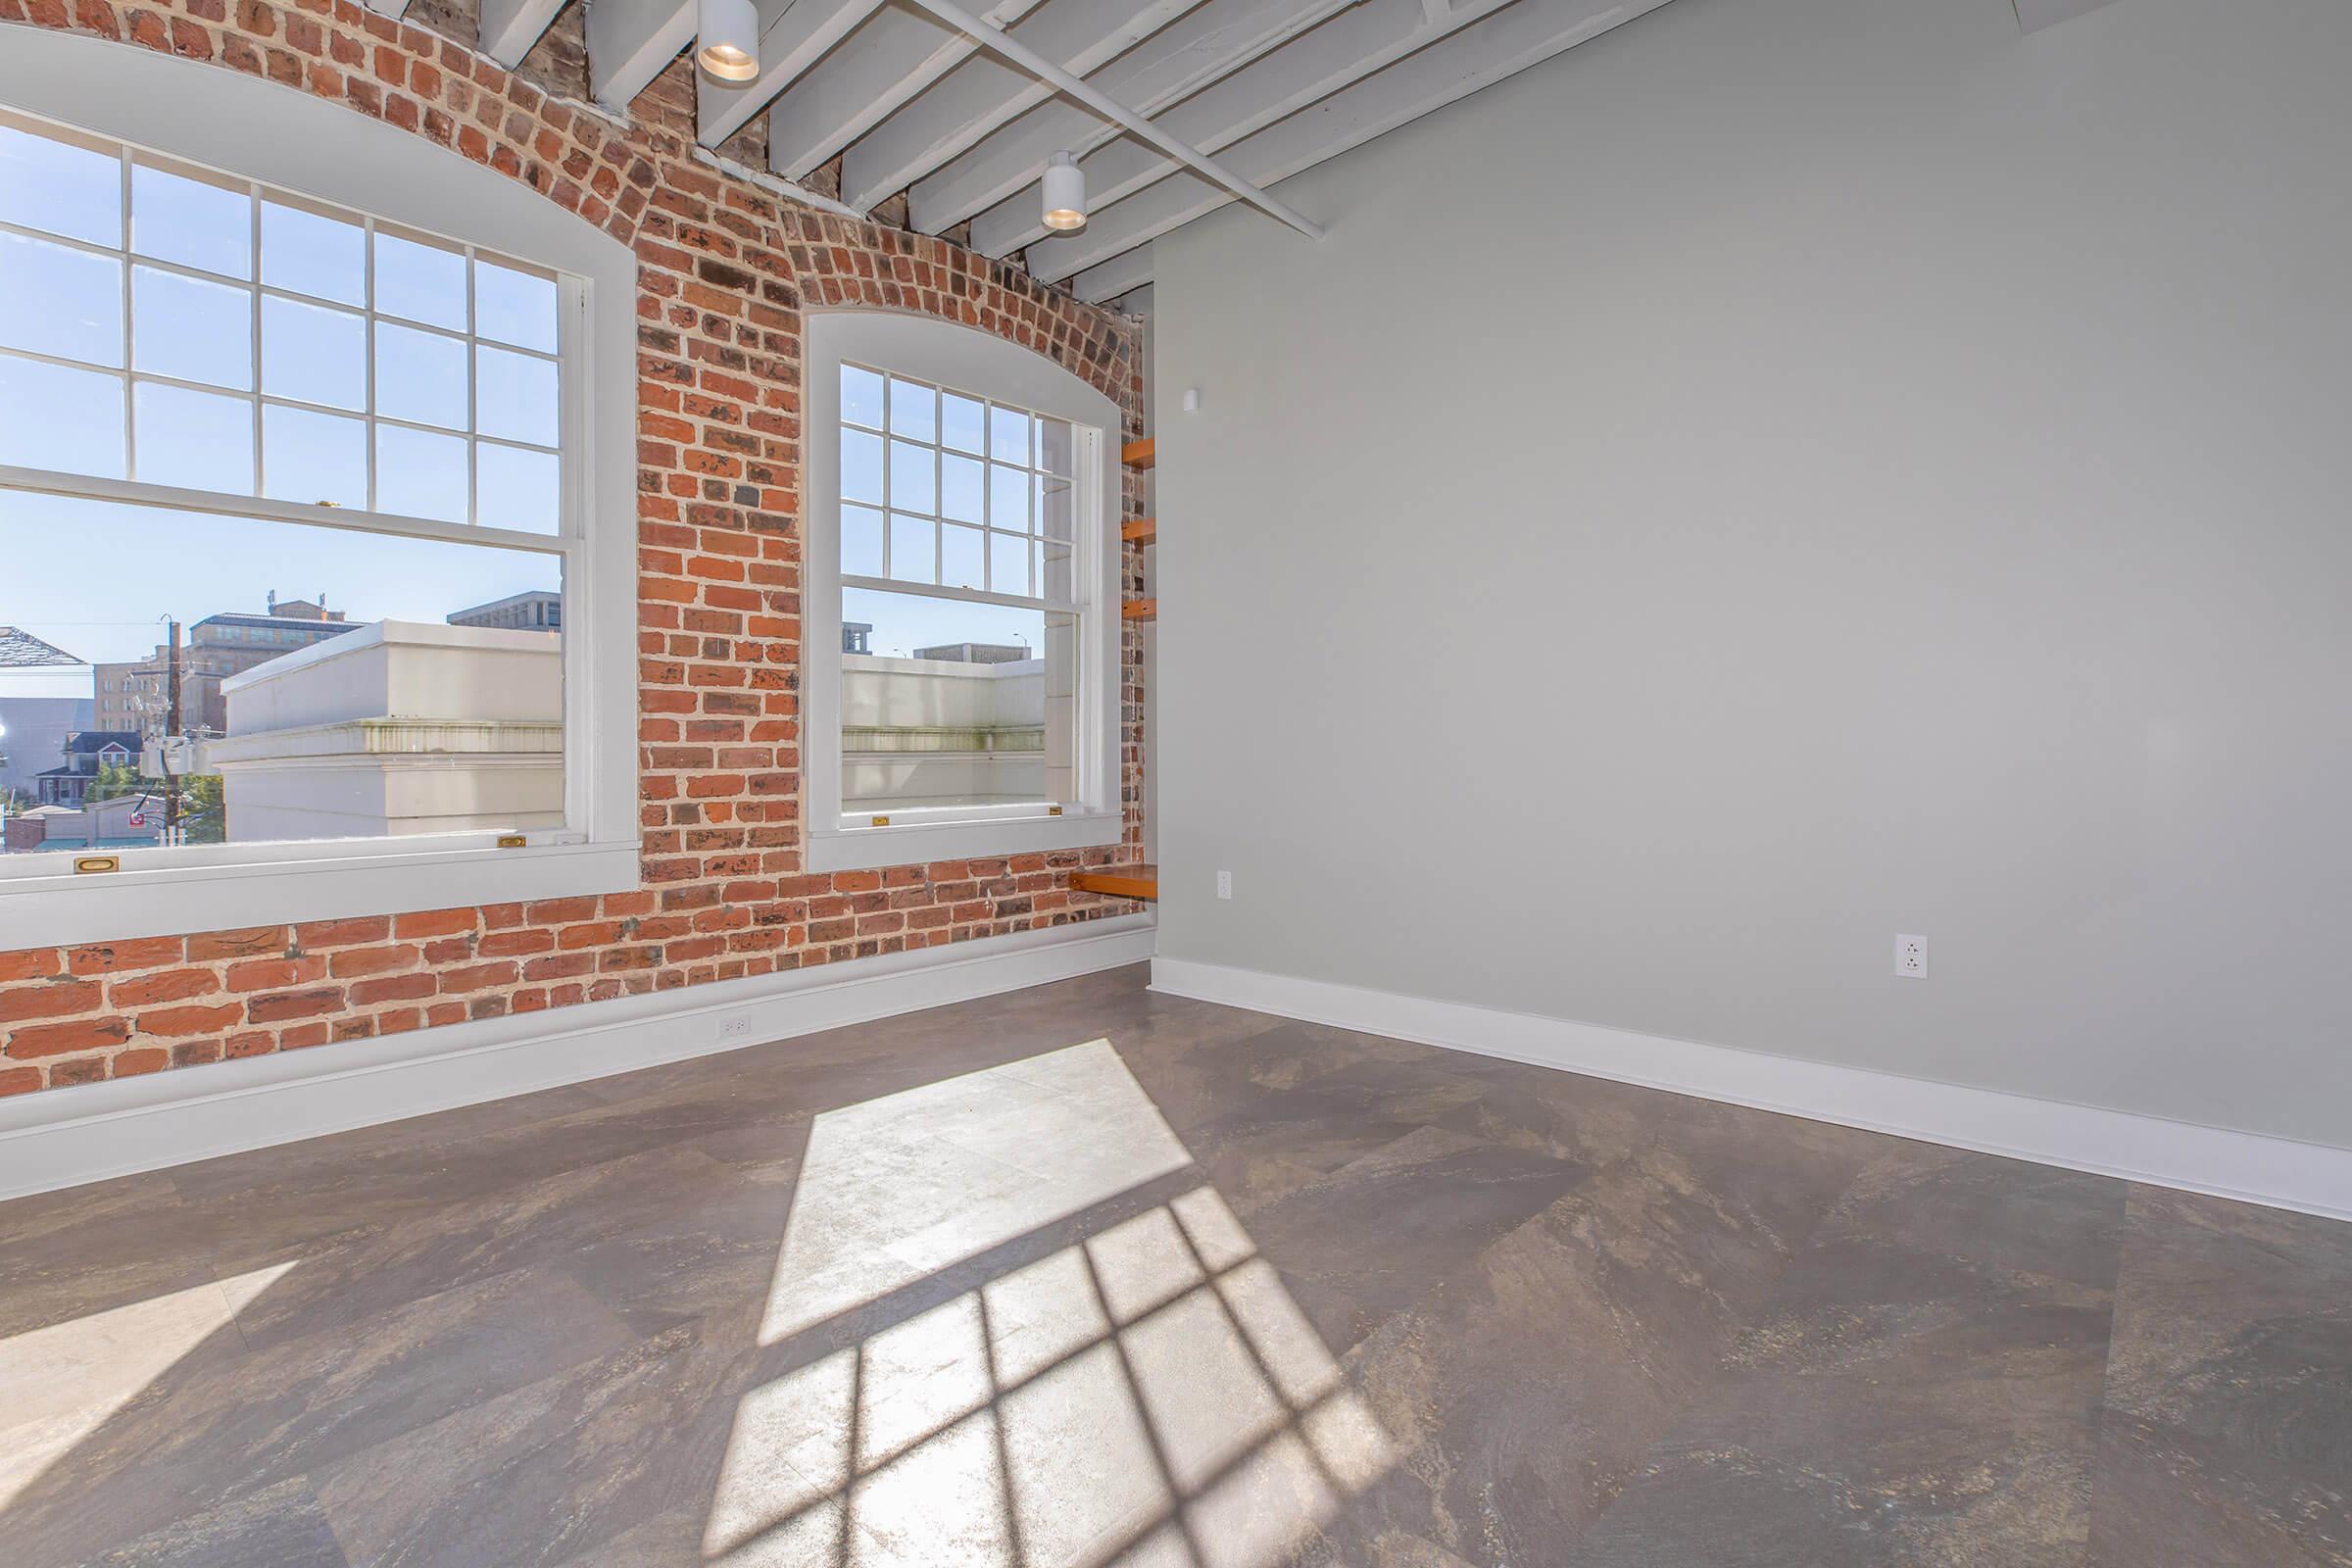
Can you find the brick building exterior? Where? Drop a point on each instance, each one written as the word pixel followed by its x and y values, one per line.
pixel 724 267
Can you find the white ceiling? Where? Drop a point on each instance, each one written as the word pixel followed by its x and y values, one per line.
pixel 910 106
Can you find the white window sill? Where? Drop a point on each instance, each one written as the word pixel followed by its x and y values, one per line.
pixel 169 901
pixel 867 849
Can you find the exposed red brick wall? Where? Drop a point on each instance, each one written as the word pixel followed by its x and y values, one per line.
pixel 725 269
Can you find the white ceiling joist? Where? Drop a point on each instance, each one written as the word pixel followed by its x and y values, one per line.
pixel 1310 66
pixel 894 54
pixel 983 92
pixel 1208 43
pixel 997 41
pixel 1121 274
pixel 510 26
pixel 1504 43
pixel 630 42
pixel 794 36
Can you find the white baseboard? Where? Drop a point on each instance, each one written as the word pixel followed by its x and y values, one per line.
pixel 66 1137
pixel 2281 1173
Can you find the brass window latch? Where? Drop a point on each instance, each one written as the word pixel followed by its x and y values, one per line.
pixel 95 864
pixel 513 841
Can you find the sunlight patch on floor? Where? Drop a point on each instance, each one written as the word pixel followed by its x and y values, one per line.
pixel 1148 1397
pixel 58 1384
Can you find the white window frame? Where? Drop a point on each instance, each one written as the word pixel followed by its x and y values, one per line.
pixel 976 363
pixel 292 142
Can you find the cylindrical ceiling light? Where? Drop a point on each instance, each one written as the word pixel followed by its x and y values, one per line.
pixel 728 41
pixel 1065 193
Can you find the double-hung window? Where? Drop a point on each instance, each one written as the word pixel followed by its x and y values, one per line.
pixel 961 626
pixel 309 474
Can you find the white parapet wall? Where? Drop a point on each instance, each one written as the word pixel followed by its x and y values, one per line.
pixel 395 729
pixel 924 731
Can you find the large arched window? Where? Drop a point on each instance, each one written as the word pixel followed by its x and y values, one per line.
pixel 960 619
pixel 311 486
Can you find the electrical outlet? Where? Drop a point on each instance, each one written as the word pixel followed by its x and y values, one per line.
pixel 1224 884
pixel 1911 958
pixel 735 1026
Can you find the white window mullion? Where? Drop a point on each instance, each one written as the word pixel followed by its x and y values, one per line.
pixel 130 396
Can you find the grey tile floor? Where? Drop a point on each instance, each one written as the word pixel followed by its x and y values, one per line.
pixel 1083 1275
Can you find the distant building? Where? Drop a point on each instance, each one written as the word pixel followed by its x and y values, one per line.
pixel 21 649
pixel 136 696
pixel 536 611
pixel 85 753
pixel 856 635
pixel 33 731
pixel 125 822
pixel 973 653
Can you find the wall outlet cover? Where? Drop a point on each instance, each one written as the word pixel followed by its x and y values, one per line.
pixel 1911 958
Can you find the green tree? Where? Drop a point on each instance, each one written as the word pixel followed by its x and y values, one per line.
pixel 114 780
pixel 203 812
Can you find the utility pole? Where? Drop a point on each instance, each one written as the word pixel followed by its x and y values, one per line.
pixel 171 732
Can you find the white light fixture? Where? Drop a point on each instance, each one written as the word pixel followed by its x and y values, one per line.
pixel 1065 193
pixel 728 39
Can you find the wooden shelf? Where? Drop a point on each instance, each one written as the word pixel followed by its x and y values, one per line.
pixel 1142 530
pixel 1141 610
pixel 1119 881
pixel 1138 453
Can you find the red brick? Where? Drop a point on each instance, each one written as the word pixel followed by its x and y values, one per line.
pixel 354 962
pixel 20 1080
pixel 343 933
pixel 279 1006
pixel 436 924
pixel 243 944
pixel 191 1021
pixel 274 974
pixel 172 985
pixel 49 1000
pixel 57 1039
pixel 38 963
pixel 132 1064
pixel 148 952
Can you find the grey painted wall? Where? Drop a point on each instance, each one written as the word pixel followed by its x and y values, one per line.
pixel 1785 474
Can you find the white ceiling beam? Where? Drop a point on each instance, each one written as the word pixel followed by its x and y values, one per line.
pixel 1504 43
pixel 630 42
pixel 2034 14
pixel 794 36
pixel 983 92
pixel 1208 43
pixel 1121 274
pixel 1313 66
pixel 997 41
pixel 896 52
pixel 510 26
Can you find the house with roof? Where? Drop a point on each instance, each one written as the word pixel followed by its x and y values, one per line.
pixel 86 753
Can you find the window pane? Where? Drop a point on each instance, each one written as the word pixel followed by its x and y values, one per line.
pixel 913 548
pixel 190 329
pixel 860 467
pixel 420 376
pixel 515 397
pixel 314 354
pixel 514 306
pixel 314 457
pixel 964 556
pixel 290 742
pixel 310 254
pixel 1057 508
pixel 422 282
pixel 860 542
pixel 985 719
pixel 54 418
pixel 861 397
pixel 1008 497
pixel 419 474
pixel 914 410
pixel 195 440
pixel 913 484
pixel 961 481
pixel 58 300
pixel 192 221
pixel 56 185
pixel 518 489
pixel 1056 446
pixel 1007 435
pixel 964 423
pixel 1009 563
